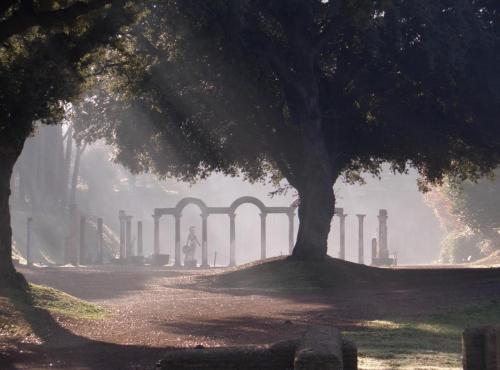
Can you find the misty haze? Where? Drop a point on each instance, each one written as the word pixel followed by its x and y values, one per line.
pixel 306 184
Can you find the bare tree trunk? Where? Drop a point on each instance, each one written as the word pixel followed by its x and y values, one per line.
pixel 58 166
pixel 67 166
pixel 8 275
pixel 76 168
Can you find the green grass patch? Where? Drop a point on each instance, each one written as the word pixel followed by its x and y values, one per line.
pixel 55 301
pixel 432 342
pixel 283 274
pixel 20 310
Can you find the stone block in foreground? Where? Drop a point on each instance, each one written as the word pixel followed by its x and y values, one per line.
pixel 321 348
pixel 275 357
pixel 481 348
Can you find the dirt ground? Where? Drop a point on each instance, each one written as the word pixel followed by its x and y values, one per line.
pixel 152 309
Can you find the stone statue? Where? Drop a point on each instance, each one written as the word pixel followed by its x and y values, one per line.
pixel 190 248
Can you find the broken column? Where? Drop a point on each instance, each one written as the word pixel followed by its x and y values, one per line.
pixel 232 241
pixel 139 239
pixel 71 255
pixel 121 218
pixel 361 251
pixel 340 213
pixel 204 240
pixel 374 251
pixel 263 217
pixel 128 239
pixel 383 251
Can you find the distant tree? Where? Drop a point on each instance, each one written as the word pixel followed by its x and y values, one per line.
pixel 43 51
pixel 307 90
pixel 477 205
pixel 38 173
pixel 468 212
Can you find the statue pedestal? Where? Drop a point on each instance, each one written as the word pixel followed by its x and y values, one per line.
pixel 160 259
pixel 191 264
pixel 383 261
pixel 136 260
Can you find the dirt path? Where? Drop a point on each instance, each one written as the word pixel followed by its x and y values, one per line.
pixel 151 309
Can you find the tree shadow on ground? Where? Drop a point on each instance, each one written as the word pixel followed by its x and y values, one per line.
pixel 100 282
pixel 59 348
pixel 380 342
pixel 379 292
pixel 248 329
pixel 406 343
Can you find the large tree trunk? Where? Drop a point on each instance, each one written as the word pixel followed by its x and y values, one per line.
pixel 316 209
pixel 316 173
pixel 8 275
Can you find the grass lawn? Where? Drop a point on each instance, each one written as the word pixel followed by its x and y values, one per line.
pixel 19 311
pixel 432 342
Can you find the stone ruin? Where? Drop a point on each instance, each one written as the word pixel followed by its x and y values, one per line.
pixel 127 254
pixel 320 348
pixel 481 348
pixel 131 250
pixel 230 211
pixel 380 250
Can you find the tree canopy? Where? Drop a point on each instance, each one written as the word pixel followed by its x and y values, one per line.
pixel 477 204
pixel 44 51
pixel 305 90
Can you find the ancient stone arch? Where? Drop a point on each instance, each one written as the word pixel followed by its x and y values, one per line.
pixel 248 200
pixel 232 226
pixel 183 203
pixel 230 211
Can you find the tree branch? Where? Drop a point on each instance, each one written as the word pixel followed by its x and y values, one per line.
pixel 5 5
pixel 253 40
pixel 26 17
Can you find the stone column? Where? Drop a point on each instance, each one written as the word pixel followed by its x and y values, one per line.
pixel 382 234
pixel 204 240
pixel 121 217
pixel 374 250
pixel 156 246
pixel 263 217
pixel 232 239
pixel 100 239
pixel 139 238
pixel 29 262
pixel 72 247
pixel 128 240
pixel 361 247
pixel 291 232
pixel 342 217
pixel 177 261
pixel 82 254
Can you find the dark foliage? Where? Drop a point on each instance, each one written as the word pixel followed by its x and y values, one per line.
pixel 305 90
